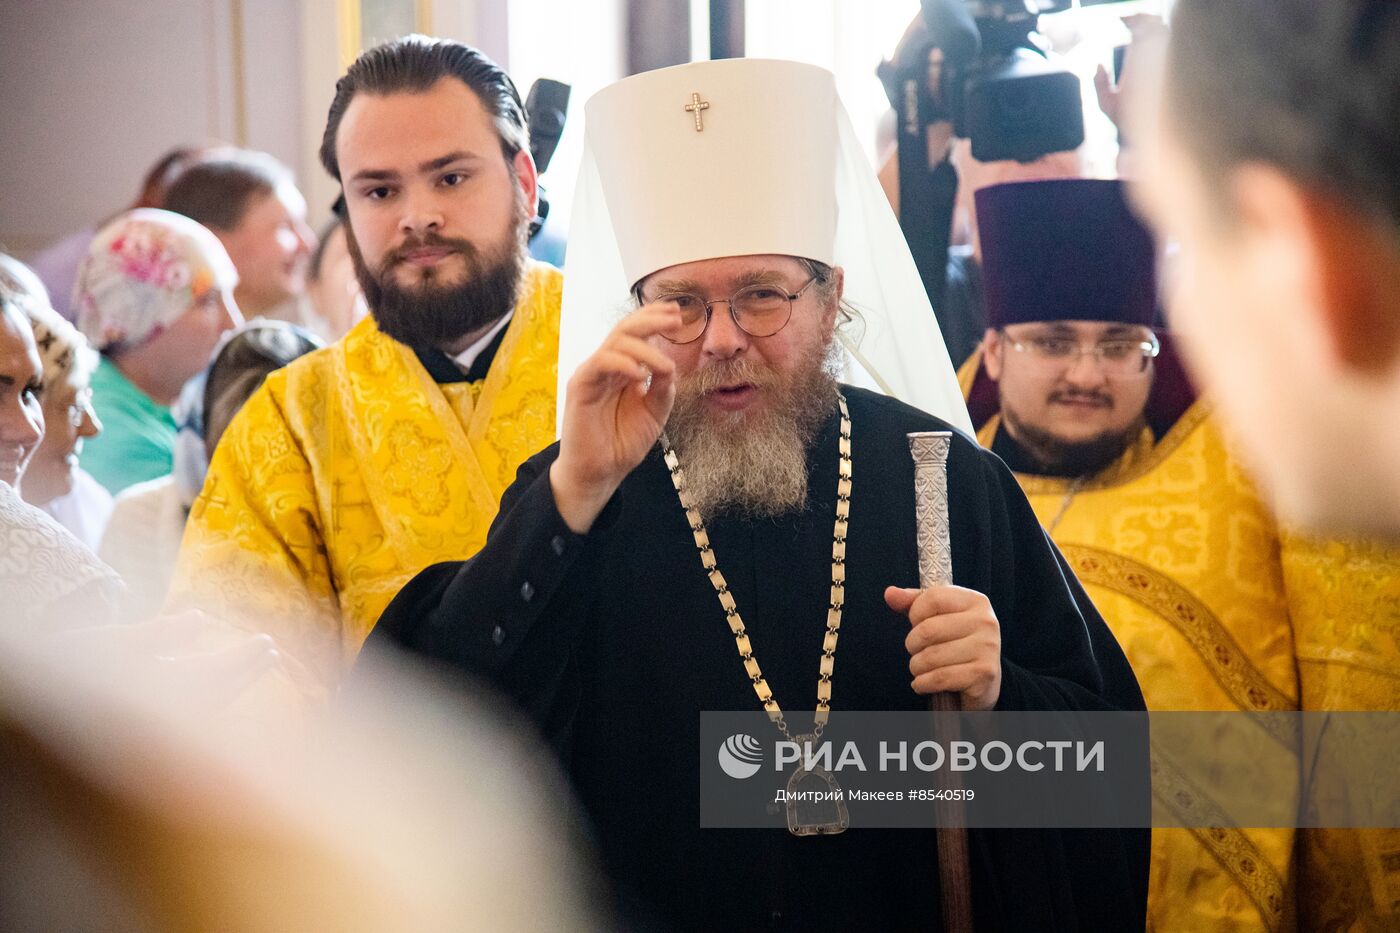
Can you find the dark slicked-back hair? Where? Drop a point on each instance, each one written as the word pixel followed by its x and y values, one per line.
pixel 217 190
pixel 412 65
pixel 1309 86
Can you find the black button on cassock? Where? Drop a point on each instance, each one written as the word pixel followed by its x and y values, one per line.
pixel 498 636
pixel 527 591
pixel 557 545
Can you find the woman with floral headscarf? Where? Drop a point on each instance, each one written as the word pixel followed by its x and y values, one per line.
pixel 154 295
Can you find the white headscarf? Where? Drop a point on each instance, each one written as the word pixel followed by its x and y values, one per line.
pixel 62 349
pixel 771 160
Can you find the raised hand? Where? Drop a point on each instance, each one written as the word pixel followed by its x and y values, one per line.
pixel 615 407
pixel 954 642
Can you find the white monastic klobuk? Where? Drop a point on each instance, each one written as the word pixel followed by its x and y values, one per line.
pixel 743 157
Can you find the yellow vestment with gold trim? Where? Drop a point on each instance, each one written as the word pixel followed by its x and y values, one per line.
pixel 351 470
pixel 1182 557
pixel 1345 601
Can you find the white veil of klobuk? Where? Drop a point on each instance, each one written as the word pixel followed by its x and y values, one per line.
pixel 745 157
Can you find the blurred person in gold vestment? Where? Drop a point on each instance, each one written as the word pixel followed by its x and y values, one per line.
pixel 1270 157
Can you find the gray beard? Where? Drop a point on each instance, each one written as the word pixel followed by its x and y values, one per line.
pixel 752 463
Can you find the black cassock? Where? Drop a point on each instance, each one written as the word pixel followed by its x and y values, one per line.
pixel 614 642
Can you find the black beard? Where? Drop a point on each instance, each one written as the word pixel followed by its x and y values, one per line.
pixel 1058 457
pixel 437 315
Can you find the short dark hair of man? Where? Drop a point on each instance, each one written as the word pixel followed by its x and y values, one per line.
pixel 1311 87
pixel 159 177
pixel 217 190
pixel 412 65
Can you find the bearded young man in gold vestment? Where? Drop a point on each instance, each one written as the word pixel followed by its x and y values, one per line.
pixel 361 464
pixel 1139 489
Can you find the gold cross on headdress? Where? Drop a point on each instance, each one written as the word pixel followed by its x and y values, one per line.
pixel 697 107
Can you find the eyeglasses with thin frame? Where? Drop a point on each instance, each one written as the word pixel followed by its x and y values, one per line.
pixel 1116 358
pixel 757 310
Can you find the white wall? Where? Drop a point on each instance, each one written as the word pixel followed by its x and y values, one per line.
pixel 849 37
pixel 93 91
pixel 581 44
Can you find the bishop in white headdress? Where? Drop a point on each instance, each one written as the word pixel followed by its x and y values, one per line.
pixel 747 156
pixel 727 522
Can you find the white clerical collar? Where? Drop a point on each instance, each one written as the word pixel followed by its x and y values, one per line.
pixel 467 357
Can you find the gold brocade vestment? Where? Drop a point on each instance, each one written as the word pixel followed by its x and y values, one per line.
pixel 1182 557
pixel 351 470
pixel 1345 601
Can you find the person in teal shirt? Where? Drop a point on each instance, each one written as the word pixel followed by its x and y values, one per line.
pixel 143 429
pixel 154 294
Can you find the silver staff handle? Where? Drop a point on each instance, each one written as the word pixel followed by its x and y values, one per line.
pixel 930 452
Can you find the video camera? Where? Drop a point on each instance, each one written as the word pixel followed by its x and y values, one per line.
pixel 545 107
pixel 981 66
pixel 994 81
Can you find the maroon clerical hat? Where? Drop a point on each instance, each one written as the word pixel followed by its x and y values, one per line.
pixel 1065 250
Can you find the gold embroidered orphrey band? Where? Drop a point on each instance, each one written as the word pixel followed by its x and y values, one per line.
pixel 799 823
